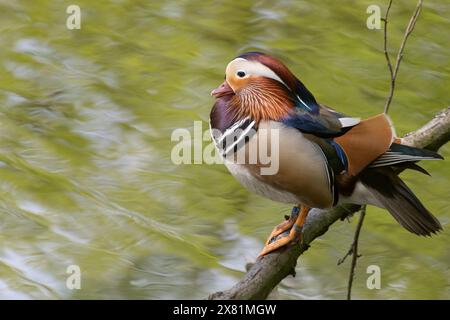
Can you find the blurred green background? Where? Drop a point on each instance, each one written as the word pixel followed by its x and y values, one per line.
pixel 85 123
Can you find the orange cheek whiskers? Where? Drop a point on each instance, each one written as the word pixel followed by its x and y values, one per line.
pixel 266 101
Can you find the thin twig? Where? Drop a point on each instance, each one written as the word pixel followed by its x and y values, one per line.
pixel 386 54
pixel 408 31
pixel 349 253
pixel 354 250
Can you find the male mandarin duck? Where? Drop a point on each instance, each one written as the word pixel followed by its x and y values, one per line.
pixel 325 158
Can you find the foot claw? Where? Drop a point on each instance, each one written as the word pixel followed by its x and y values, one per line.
pixel 285 225
pixel 287 232
pixel 277 242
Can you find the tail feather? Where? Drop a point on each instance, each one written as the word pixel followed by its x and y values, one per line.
pixel 413 151
pixel 400 201
pixel 411 166
pixel 399 154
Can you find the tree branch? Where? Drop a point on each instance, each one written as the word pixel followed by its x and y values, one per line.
pixel 269 270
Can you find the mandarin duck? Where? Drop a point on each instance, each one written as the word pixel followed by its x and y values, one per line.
pixel 324 157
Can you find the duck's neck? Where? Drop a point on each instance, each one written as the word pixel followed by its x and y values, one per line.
pixel 261 101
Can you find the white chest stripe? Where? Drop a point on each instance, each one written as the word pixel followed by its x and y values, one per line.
pixel 231 129
pixel 241 136
pixel 232 135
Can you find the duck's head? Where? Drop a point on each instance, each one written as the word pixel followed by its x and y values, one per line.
pixel 250 68
pixel 264 88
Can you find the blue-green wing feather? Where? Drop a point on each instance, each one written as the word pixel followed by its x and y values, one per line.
pixel 318 120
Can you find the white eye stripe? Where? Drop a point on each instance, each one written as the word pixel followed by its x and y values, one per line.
pixel 252 68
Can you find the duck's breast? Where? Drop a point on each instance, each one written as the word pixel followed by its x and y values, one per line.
pixel 287 167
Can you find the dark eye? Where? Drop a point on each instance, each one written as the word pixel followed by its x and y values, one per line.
pixel 240 74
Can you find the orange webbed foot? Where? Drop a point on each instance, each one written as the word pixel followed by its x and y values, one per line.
pixel 284 226
pixel 277 239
